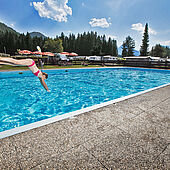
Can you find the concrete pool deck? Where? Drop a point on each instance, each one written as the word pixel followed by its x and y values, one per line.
pixel 131 134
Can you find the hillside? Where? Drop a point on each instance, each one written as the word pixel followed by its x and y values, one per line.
pixel 5 28
pixel 37 34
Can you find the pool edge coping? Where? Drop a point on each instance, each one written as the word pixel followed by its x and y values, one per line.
pixel 44 122
pixel 48 69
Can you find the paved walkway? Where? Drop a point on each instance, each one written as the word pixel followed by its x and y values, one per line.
pixel 132 134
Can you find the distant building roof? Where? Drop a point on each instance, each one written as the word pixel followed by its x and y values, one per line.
pixel 136 57
pixel 139 58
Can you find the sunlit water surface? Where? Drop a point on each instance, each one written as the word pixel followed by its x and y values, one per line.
pixel 23 100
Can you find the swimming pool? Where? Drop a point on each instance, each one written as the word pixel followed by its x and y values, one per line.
pixel 24 101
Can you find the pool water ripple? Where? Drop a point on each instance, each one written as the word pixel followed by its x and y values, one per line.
pixel 23 100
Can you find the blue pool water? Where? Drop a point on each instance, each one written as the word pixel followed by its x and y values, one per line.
pixel 23 100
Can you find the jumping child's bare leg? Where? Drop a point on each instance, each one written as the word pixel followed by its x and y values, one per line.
pixel 5 63
pixel 22 62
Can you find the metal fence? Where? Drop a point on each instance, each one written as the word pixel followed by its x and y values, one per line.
pixel 163 63
pixel 158 64
pixel 4 55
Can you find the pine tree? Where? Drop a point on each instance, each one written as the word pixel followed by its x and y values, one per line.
pixel 130 43
pixel 128 47
pixel 53 45
pixel 109 49
pixel 115 50
pixel 145 41
pixel 124 50
pixel 28 41
pixel 157 51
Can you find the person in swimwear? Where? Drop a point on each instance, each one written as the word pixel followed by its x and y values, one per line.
pixel 30 64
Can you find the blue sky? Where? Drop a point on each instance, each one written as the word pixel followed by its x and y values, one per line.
pixel 115 18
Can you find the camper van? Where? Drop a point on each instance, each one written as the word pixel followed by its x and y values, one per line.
pixel 109 58
pixel 94 58
pixel 61 57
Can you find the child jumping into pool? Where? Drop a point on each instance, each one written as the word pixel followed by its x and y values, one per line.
pixel 30 64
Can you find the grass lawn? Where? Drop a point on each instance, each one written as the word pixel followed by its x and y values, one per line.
pixel 5 67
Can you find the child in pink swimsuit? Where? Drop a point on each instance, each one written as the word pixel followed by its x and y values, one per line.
pixel 34 69
pixel 31 65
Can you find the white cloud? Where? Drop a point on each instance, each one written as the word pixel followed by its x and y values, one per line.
pixel 54 9
pixel 140 28
pixel 153 32
pixel 111 36
pixel 83 4
pixel 99 23
pixel 12 25
pixel 165 43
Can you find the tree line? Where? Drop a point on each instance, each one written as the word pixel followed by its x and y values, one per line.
pixel 160 51
pixel 84 44
pixel 128 47
pixel 89 43
pixel 10 42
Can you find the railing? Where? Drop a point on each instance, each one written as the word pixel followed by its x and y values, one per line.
pixel 157 64
pixel 4 55
pixel 134 63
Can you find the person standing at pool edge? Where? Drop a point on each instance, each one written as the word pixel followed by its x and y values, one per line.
pixel 30 64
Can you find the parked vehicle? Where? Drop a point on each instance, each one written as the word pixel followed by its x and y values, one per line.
pixel 142 58
pixel 168 60
pixel 154 58
pixel 137 58
pixel 61 57
pixel 109 58
pixel 77 57
pixel 94 58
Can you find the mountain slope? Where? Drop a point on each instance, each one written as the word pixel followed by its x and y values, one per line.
pixel 5 28
pixel 37 34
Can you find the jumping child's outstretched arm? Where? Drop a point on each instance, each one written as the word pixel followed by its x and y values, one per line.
pixel 44 84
